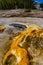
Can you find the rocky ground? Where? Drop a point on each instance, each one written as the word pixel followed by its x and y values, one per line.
pixel 8 17
pixel 21 13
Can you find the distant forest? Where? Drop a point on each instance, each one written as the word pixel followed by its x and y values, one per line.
pixel 16 4
pixel 12 4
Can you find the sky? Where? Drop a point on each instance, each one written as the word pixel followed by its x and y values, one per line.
pixel 40 1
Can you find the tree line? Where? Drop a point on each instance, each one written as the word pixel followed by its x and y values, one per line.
pixel 12 4
pixel 41 5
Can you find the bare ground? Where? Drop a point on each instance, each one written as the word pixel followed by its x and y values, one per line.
pixel 25 20
pixel 21 13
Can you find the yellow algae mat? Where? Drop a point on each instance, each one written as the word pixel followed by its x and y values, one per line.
pixel 26 48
